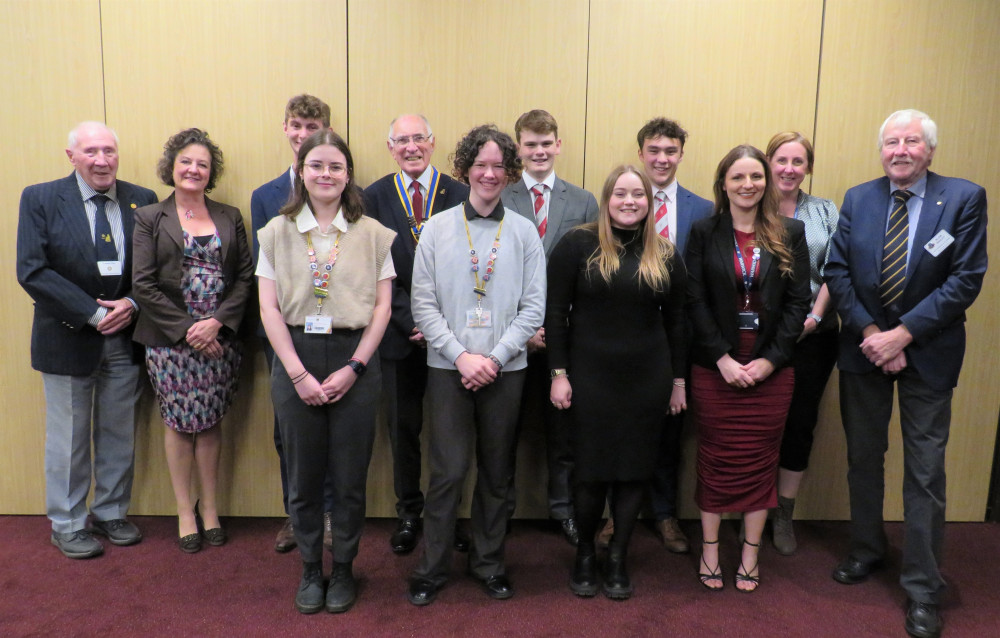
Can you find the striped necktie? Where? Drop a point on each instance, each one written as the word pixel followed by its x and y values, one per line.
pixel 541 215
pixel 897 235
pixel 662 221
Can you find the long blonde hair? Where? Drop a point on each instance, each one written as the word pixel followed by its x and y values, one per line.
pixel 657 251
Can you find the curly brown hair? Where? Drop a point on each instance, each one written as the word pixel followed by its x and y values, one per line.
pixel 180 141
pixel 469 146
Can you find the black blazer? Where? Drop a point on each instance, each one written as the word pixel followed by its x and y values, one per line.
pixel 382 203
pixel 57 266
pixel 158 248
pixel 712 290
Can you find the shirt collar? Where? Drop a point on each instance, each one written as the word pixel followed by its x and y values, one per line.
pixel 918 189
pixel 87 193
pixel 496 213
pixel 424 179
pixel 531 182
pixel 306 221
pixel 670 191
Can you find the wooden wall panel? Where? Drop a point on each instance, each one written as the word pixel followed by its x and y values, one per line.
pixel 942 59
pixel 227 67
pixel 54 82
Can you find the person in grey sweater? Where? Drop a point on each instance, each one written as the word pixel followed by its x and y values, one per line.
pixel 478 295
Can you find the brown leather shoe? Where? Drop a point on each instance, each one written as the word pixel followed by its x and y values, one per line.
pixel 673 538
pixel 604 536
pixel 328 531
pixel 285 540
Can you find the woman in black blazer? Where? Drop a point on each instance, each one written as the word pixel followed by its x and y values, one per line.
pixel 192 276
pixel 748 293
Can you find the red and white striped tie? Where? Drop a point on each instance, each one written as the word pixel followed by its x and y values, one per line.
pixel 662 221
pixel 541 214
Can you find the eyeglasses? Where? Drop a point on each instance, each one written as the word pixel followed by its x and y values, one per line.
pixel 319 168
pixel 406 139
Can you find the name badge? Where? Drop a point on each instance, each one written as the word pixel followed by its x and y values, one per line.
pixel 318 325
pixel 939 242
pixel 748 320
pixel 110 268
pixel 478 318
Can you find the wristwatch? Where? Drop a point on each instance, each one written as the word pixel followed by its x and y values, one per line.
pixel 557 372
pixel 358 366
pixel 815 317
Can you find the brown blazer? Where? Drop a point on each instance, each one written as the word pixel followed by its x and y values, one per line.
pixel 158 252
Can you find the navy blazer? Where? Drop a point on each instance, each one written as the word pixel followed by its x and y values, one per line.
pixel 713 286
pixel 382 203
pixel 569 206
pixel 937 290
pixel 690 208
pixel 158 246
pixel 265 202
pixel 57 266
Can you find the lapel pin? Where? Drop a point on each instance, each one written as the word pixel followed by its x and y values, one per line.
pixel 441 192
pixel 132 205
pixel 939 202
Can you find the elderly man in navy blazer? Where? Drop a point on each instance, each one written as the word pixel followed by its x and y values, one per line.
pixel 554 206
pixel 906 262
pixel 661 150
pixel 402 202
pixel 74 258
pixel 304 115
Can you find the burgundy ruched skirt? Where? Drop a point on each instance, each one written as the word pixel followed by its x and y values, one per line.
pixel 739 436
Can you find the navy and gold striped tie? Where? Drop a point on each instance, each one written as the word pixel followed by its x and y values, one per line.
pixel 894 253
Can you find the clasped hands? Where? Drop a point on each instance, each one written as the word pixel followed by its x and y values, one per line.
pixel 477 370
pixel 885 349
pixel 333 388
pixel 745 375
pixel 203 337
pixel 121 312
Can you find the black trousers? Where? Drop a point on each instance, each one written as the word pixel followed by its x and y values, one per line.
pixel 334 439
pixel 813 362
pixel 403 384
pixel 462 420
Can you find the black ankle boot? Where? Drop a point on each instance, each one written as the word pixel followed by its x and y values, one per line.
pixel 584 581
pixel 309 598
pixel 617 585
pixel 343 589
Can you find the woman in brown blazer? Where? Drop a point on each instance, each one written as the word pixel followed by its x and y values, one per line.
pixel 192 277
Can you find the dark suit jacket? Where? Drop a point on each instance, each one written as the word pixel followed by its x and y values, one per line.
pixel 937 290
pixel 57 266
pixel 265 202
pixel 569 206
pixel 382 203
pixel 690 208
pixel 158 247
pixel 713 286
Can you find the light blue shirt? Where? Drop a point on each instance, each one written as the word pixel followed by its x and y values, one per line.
pixel 913 207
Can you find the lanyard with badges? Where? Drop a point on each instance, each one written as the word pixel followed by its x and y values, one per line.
pixel 748 319
pixel 480 317
pixel 320 275
pixel 407 201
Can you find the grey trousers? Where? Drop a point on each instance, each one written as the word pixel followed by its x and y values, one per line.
pixel 97 409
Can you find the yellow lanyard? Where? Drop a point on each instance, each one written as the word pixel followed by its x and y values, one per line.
pixel 480 288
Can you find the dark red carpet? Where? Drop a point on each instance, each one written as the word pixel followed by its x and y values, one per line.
pixel 246 589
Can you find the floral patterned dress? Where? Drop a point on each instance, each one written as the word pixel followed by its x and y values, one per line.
pixel 194 391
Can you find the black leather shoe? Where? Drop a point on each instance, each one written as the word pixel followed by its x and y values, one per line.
pixel 404 539
pixel 309 597
pixel 498 587
pixel 922 620
pixel 461 543
pixel 422 592
pixel 617 584
pixel 584 582
pixel 342 590
pixel 570 533
pixel 852 571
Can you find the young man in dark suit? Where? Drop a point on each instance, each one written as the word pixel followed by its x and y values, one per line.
pixel 554 206
pixel 402 202
pixel 74 258
pixel 661 150
pixel 907 260
pixel 304 115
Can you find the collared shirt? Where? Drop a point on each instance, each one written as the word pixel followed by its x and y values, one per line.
pixel 114 213
pixel 496 213
pixel 424 180
pixel 671 193
pixel 913 208
pixel 305 222
pixel 291 175
pixel 549 182
pixel 820 217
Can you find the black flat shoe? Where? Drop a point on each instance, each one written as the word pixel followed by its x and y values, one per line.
pixel 404 539
pixel 922 620
pixel 852 571
pixel 422 592
pixel 584 582
pixel 190 544
pixel 216 536
pixel 498 587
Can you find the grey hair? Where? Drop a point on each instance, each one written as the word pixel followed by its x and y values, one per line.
pixel 904 117
pixel 427 124
pixel 71 138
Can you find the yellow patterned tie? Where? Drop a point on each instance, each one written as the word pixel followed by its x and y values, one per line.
pixel 894 253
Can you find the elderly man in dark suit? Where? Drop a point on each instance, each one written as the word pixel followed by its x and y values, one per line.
pixel 304 115
pixel 554 206
pixel 907 260
pixel 74 258
pixel 402 202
